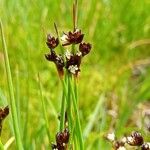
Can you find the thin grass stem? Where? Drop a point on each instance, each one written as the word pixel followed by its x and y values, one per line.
pixel 11 93
pixel 62 113
pixel 78 126
pixel 44 109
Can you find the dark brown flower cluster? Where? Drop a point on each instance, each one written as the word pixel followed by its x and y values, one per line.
pixel 3 114
pixel 69 60
pixel 135 139
pixel 62 139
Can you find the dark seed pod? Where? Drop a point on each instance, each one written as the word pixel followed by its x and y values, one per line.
pixel 135 139
pixel 72 37
pixel 62 137
pixel 3 114
pixel 118 144
pixel 58 60
pixel 85 48
pixel 53 146
pixel 52 42
pixel 145 146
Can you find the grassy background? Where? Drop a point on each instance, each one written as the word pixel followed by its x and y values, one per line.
pixel 114 82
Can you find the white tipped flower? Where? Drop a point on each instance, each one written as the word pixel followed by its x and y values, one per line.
pixel 64 39
pixel 111 137
pixel 130 140
pixel 145 146
pixel 73 69
pixel 68 54
pixel 121 148
pixel 124 140
pixel 77 30
pixel 78 53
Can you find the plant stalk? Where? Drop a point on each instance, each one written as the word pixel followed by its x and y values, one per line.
pixel 11 93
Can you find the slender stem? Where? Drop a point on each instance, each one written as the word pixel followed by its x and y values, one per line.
pixel 69 105
pixel 73 49
pixel 75 14
pixel 18 98
pixel 79 133
pixel 62 114
pixel 44 109
pixel 76 87
pixel 11 93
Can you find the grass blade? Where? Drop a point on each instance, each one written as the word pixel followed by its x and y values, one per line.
pixel 11 93
pixel 44 109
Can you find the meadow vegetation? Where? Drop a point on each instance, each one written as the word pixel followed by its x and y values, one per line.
pixel 114 82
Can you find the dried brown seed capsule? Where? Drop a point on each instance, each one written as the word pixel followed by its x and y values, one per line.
pixel 54 146
pixel 145 146
pixel 73 64
pixel 52 42
pixel 72 37
pixel 118 144
pixel 51 57
pixel 3 114
pixel 135 139
pixel 62 137
pixel 85 48
pixel 58 60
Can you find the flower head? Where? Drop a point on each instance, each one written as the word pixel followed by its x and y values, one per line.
pixel 62 139
pixel 52 42
pixel 135 139
pixel 85 48
pixel 58 61
pixel 145 146
pixel 3 114
pixel 75 37
pixel 111 137
pixel 73 64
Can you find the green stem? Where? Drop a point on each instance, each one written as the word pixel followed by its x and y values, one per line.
pixel 76 87
pixel 69 105
pixel 44 109
pixel 11 93
pixel 79 133
pixel 62 114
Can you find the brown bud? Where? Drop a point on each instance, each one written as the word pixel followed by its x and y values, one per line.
pixel 135 139
pixel 85 48
pixel 52 42
pixel 3 114
pixel 145 146
pixel 72 37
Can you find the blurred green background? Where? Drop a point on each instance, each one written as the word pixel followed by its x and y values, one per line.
pixel 114 84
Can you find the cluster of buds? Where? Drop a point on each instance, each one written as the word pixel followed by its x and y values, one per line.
pixel 3 114
pixel 62 139
pixel 135 139
pixel 71 60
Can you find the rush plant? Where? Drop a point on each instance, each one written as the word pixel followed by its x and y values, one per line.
pixel 68 65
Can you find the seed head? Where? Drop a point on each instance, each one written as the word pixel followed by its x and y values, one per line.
pixel 3 114
pixel 62 139
pixel 145 146
pixel 85 48
pixel 72 37
pixel 52 42
pixel 73 64
pixel 58 61
pixel 135 139
pixel 111 137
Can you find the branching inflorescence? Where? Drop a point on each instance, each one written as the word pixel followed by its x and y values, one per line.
pixel 68 65
pixel 135 140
